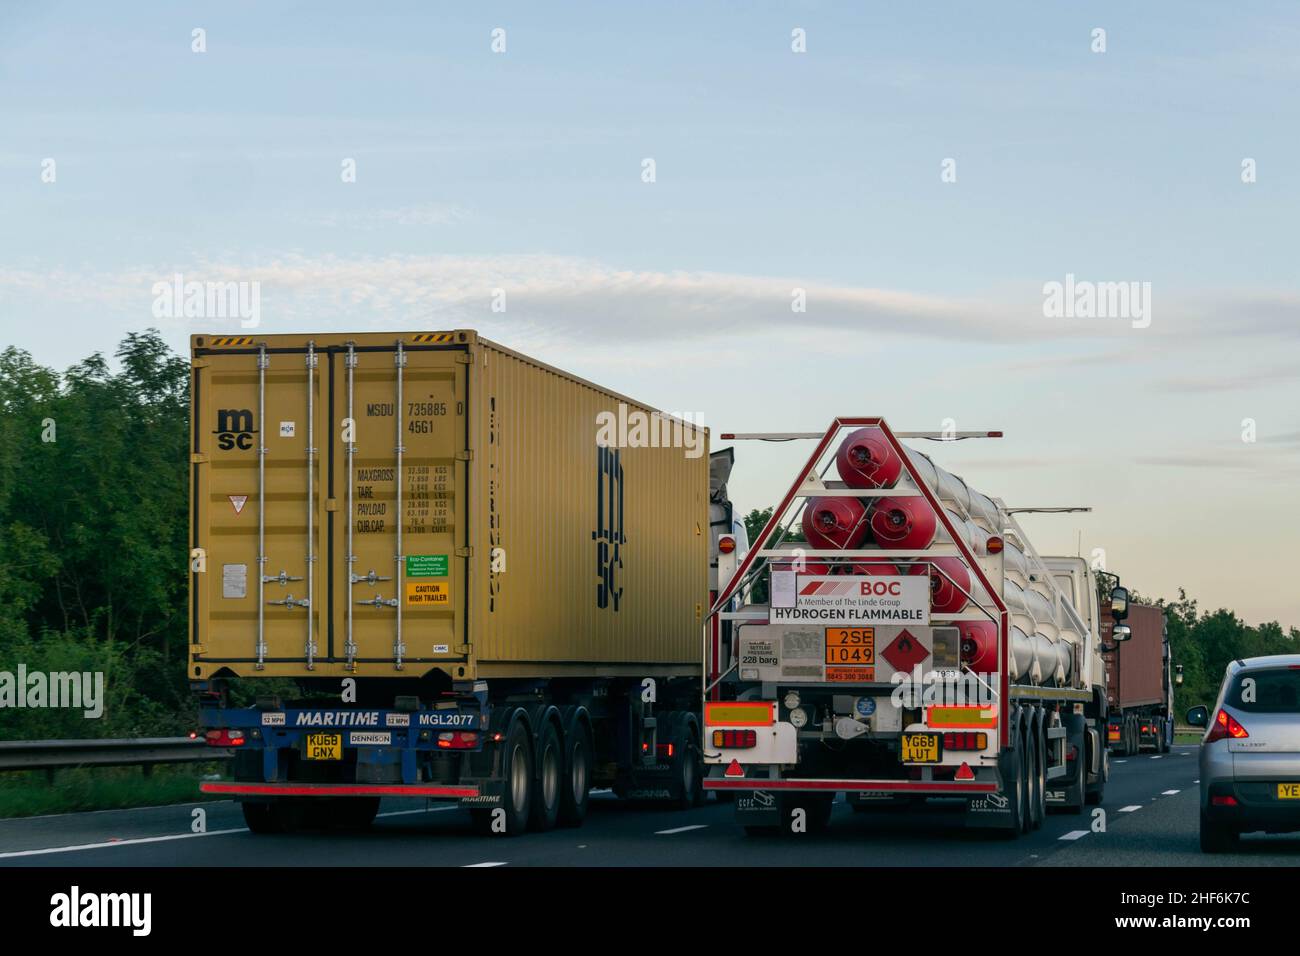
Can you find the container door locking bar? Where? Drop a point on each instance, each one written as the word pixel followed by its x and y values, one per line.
pixel 399 359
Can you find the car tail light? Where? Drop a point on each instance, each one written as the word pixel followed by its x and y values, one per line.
pixel 1225 725
pixel 1224 801
pixel 735 739
pixel 224 738
pixel 965 741
pixel 457 740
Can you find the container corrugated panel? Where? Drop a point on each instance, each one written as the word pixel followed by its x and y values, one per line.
pixel 1135 672
pixel 605 548
pixel 498 458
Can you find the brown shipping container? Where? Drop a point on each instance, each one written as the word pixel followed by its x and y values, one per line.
pixel 1135 672
pixel 526 549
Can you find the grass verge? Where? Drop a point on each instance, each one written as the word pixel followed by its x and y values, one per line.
pixel 29 794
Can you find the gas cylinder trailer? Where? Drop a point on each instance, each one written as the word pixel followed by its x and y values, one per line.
pixel 426 565
pixel 1139 688
pixel 914 647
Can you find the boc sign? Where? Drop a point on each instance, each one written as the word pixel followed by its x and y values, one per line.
pixel 866 599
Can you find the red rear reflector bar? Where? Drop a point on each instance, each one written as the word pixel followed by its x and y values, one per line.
pixel 1223 801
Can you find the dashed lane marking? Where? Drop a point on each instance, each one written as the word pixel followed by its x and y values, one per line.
pixel 694 826
pixel 12 854
pixel 1129 809
pixel 1075 834
pixel 474 866
pixel 1170 793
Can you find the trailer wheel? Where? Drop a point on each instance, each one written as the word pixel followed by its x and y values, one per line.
pixel 517 771
pixel 1014 780
pixel 688 770
pixel 356 813
pixel 576 793
pixel 1038 778
pixel 261 817
pixel 1025 762
pixel 548 781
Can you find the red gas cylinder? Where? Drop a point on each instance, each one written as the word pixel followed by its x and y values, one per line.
pixel 945 597
pixel 979 645
pixel 866 460
pixel 902 523
pixel 875 567
pixel 834 523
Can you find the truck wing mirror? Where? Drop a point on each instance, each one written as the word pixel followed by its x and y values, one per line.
pixel 1121 633
pixel 1119 603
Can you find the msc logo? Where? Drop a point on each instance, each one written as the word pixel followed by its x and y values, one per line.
pixel 234 429
pixel 609 535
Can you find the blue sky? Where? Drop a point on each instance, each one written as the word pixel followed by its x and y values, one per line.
pixel 774 170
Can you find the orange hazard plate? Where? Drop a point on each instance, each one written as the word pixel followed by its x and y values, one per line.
pixel 854 646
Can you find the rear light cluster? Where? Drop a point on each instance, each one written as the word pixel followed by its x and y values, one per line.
pixel 224 738
pixel 735 739
pixel 457 740
pixel 1225 725
pixel 1223 801
pixel 965 741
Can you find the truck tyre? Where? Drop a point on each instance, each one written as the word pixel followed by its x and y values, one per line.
pixel 356 813
pixel 1097 791
pixel 261 817
pixel 544 807
pixel 1025 760
pixel 575 793
pixel 1014 782
pixel 1217 838
pixel 1038 777
pixel 688 770
pixel 517 776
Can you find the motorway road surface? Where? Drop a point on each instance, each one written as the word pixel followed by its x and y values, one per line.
pixel 1151 820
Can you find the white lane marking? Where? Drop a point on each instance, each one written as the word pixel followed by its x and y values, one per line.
pixel 1075 834
pixel 99 846
pixel 1156 757
pixel 1129 809
pixel 405 813
pixel 1119 761
pixel 693 826
pixel 1170 793
pixel 473 866
pixel 1197 780
pixel 174 836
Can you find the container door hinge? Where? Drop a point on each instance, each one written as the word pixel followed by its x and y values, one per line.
pixel 464 552
pixel 198 363
pixel 466 455
pixel 198 458
pixel 464 358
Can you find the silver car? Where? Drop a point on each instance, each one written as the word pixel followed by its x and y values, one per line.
pixel 1250 754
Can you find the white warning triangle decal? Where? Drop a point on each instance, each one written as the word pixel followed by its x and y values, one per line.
pixel 239 501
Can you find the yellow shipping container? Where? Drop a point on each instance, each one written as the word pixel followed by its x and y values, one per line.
pixel 503 518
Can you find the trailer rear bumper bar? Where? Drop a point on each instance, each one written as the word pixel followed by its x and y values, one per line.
pixel 956 788
pixel 237 788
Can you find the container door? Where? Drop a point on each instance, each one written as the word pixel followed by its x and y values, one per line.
pixel 401 466
pixel 259 508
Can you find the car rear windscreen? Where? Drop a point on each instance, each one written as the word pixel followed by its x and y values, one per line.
pixel 1272 691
